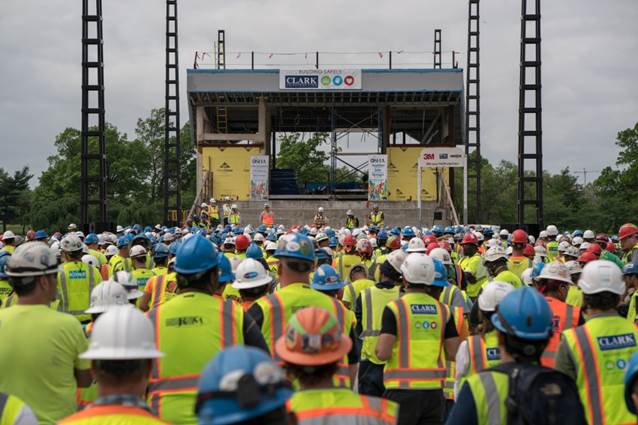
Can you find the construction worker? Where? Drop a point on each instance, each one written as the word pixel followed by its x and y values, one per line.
pixel 35 335
pixel 160 259
pixel 417 334
pixel 8 241
pixel 495 260
pixel 595 354
pixel 219 403
pixel 140 273
pixel 296 261
pixel 352 222
pixel 273 262
pixel 319 220
pixel 364 250
pixel 574 295
pixel 631 385
pixel 554 282
pixel 602 240
pixel 311 349
pixel 376 218
pixel 630 276
pixel 234 219
pixel 472 265
pixel 368 310
pixel 628 235
pixel 267 217
pixel 121 260
pixel 524 326
pixel 452 294
pixel 552 243
pixel 327 281
pixel 358 281
pixel 344 262
pixel 91 242
pixel 252 281
pixel 5 287
pixel 213 213
pixel 121 354
pixel 76 279
pixel 518 262
pixel 14 411
pixel 159 288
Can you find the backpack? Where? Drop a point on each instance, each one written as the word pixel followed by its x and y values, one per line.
pixel 540 396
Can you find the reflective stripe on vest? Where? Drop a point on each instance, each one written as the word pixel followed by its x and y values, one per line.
pixel 369 327
pixel 343 372
pixel 157 291
pixel 10 408
pixel 64 304
pixel 374 411
pixel 350 289
pixel 590 369
pixel 277 325
pixel 477 353
pixel 567 317
pixel 493 402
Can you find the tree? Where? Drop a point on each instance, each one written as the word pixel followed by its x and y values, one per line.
pixel 304 157
pixel 14 197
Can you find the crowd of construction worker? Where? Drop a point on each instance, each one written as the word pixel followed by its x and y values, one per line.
pixel 220 322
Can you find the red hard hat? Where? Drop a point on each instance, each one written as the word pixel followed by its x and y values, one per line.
pixel 627 230
pixel 529 251
pixel 427 240
pixel 469 238
pixel 603 237
pixel 595 249
pixel 446 246
pixel 393 242
pixel 241 243
pixel 586 257
pixel 349 240
pixel 610 247
pixel 519 236
pixel 431 246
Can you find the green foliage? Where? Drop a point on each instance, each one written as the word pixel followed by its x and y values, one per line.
pixel 15 196
pixel 304 156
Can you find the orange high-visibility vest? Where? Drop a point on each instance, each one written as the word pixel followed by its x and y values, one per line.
pixel 564 316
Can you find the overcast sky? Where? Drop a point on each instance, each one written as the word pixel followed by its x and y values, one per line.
pixel 590 62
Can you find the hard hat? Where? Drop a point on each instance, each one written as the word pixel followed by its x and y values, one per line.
pixel 349 212
pixel 212 200
pixel 125 279
pixel 552 230
pixel 106 295
pixel 79 234
pixel 348 240
pixel 396 259
pixel 418 269
pixel 271 246
pixel 373 243
pixel 602 237
pixel 160 251
pixel 469 238
pixel 32 259
pixel 630 377
pixel 526 276
pixel 321 237
pixel 555 271
pixel 320 209
pixel 259 238
pixel 610 247
pixel 520 236
pixel 326 278
pixel 242 242
pixel 493 293
pixel 122 333
pixel 589 234
pixel 627 230
pixel 573 267
pixel 41 234
pixel 529 251
pixel 229 241
pixel 233 207
pixel 322 254
pixel 364 246
pixel 240 383
pixel 225 269
pixel 71 243
pixel 251 274
pixel 254 252
pixel 572 251
pixel 204 205
pixel 584 246
pixel 495 253
pixel 440 274
pixel 531 239
pixel 586 257
pixel 122 242
pixel 111 250
pixel 442 255
pixel 119 229
pixel 382 235
pixel 563 246
pixel 137 251
pixel 91 260
pixel 407 232
pixel 8 235
pixel 313 337
pixel 4 258
pixel 630 269
pixel 416 245
pixel 72 227
pixel 595 249
pixel 524 313
pixel 540 251
pixel 196 255
pixel 504 232
pixel 91 238
pixel 601 276
pixel 393 243
pixel 296 246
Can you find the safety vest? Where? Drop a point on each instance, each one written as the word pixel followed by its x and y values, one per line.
pixel 373 301
pixel 346 320
pixel 574 296
pixel 267 219
pixel 509 277
pixel 338 406
pixel 10 408
pixel 8 248
pixel 417 355
pixel 463 331
pixel 475 266
pixel 564 316
pixel 273 266
pixel 344 263
pixel 484 352
pixel 351 222
pixel 490 390
pixel 319 221
pixel 76 280
pixel 376 219
pixel 118 263
pixel 601 349
pixel 552 251
pixel 632 314
pixel 278 308
pixel 141 276
pixel 162 289
pixel 454 297
pixel 352 290
pixel 375 269
pixel 160 270
pixel 191 330
pixel 113 415
pixel 97 254
pixel 5 290
pixel 518 265
pixel 233 218
pixel 213 212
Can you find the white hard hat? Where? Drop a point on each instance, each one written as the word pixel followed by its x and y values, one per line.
pixel 91 260
pixel 251 274
pixel 552 230
pixel 479 236
pixel 320 209
pixel 589 234
pixel 71 243
pixel 416 245
pixel 573 267
pixel 572 251
pixel 106 295
pixel 563 246
pixel 85 249
pixel 32 259
pixel 203 205
pixel 396 259
pixel 540 251
pixel 321 237
pixel 122 333
pixel 233 207
pixel 125 279
pixel 504 232
pixel 266 205
pixel 271 246
pixel 111 250
pixel 72 227
pixel 526 276
pixel 349 212
pixel 542 234
pixel 600 276
pixel 531 239
pixel 229 241
pixel 577 241
pixel 418 268
pixel 492 294
pixel 79 234
pixel 495 253
pixel 373 242
pixel 555 271
pixel 137 251
pixel 8 235
pixel 442 255
pixel 119 229
pixel 212 200
pixel 259 237
pixel 584 246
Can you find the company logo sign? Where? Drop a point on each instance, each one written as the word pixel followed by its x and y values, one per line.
pixel 423 309
pixel 320 79
pixel 426 325
pixel 302 82
pixel 616 342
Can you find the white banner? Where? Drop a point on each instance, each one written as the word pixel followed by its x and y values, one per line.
pixel 320 79
pixel 378 177
pixel 442 157
pixel 259 177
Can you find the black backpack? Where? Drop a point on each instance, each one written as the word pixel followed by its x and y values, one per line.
pixel 540 396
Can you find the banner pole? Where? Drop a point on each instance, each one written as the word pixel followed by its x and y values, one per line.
pixel 418 194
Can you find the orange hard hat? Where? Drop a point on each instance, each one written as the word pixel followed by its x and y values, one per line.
pixel 595 249
pixel 313 337
pixel 627 230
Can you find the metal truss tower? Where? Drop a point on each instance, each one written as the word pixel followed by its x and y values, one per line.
pixel 473 103
pixel 437 48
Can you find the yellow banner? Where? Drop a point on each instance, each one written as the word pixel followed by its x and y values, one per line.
pixel 231 171
pixel 402 170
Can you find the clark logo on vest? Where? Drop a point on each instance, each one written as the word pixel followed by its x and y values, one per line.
pixel 614 342
pixel 184 322
pixel 493 353
pixel 423 309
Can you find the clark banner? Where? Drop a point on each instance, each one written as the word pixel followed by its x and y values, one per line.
pixel 378 178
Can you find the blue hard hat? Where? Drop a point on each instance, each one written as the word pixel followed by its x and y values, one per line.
pixel 225 269
pixel 271 236
pixel 254 252
pixel 395 231
pixel 326 278
pixel 322 255
pixel 524 313
pixel 333 242
pixel 195 255
pixel 630 268
pixel 122 242
pixel 373 228
pixel 41 234
pixel 238 231
pixel 137 227
pixel 437 228
pixel 536 270
pixel 382 236
pixel 253 385
pixel 408 232
pixel 261 228
pixel 330 232
pixel 577 233
pixel 440 274
pixel 160 250
pixel 488 232
pixel 173 247
pixel 4 257
pixel 295 245
pixel 630 376
pixel 448 229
